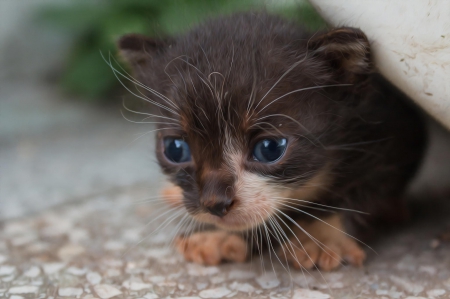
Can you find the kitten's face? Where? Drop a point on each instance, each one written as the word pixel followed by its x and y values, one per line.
pixel 246 119
pixel 238 167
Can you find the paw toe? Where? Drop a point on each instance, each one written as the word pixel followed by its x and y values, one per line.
pixel 327 256
pixel 355 256
pixel 234 249
pixel 330 257
pixel 302 257
pixel 210 248
pixel 205 255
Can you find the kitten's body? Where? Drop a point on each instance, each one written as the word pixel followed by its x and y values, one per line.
pixel 352 140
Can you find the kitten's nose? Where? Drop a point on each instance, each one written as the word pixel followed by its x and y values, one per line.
pixel 221 208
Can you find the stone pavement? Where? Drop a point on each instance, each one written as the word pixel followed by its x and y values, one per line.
pixel 55 149
pixel 107 246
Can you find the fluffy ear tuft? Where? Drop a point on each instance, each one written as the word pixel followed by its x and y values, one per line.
pixel 138 49
pixel 348 52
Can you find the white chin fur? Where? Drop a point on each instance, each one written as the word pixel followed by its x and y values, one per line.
pixel 229 222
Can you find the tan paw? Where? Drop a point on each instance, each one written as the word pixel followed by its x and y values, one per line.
pixel 211 248
pixel 301 257
pixel 353 254
pixel 327 251
pixel 327 256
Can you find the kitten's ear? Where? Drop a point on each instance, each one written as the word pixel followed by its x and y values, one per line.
pixel 139 50
pixel 347 50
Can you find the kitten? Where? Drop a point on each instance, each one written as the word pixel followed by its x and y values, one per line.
pixel 266 126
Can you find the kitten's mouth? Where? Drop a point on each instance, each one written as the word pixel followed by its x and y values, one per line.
pixel 239 218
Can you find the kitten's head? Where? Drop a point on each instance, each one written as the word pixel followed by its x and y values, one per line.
pixel 248 105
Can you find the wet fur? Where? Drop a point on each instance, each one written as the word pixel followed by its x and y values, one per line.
pixel 354 142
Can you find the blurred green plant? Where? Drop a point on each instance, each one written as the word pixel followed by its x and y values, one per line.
pixel 96 25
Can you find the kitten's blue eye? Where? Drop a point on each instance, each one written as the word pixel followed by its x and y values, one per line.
pixel 177 150
pixel 269 150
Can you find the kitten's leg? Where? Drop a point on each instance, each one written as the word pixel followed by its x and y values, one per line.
pixel 211 248
pixel 322 245
pixel 208 248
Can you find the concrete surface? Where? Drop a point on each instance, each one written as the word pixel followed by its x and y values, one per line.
pixel 108 247
pixel 55 151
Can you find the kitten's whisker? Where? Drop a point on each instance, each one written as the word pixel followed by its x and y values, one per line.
pixel 206 56
pixel 289 242
pixel 316 240
pixel 146 200
pixel 291 245
pixel 357 143
pixel 258 238
pixel 176 230
pixel 300 178
pixel 257 241
pixel 314 208
pixel 251 246
pixel 136 82
pixel 209 87
pixel 277 238
pixel 322 205
pixel 170 77
pixel 166 223
pixel 281 78
pixel 268 241
pixel 219 95
pixel 134 204
pixel 357 150
pixel 299 90
pixel 182 78
pixel 198 118
pixel 324 248
pixel 253 92
pixel 170 209
pixel 148 122
pixel 231 65
pixel 149 132
pixel 157 94
pixel 115 72
pixel 192 82
pixel 158 129
pixel 339 230
pixel 184 239
pixel 144 113
pixel 142 240
pixel 145 98
pixel 300 243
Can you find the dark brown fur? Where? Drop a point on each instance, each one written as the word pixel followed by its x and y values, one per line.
pixel 356 128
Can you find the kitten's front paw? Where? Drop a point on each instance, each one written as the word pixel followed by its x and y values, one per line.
pixel 211 248
pixel 323 245
pixel 326 256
